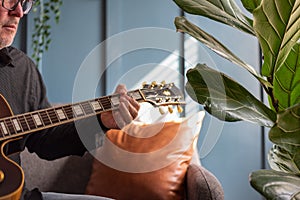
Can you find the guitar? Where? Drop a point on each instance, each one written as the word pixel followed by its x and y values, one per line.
pixel 14 127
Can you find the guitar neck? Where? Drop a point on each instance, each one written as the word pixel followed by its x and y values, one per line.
pixel 19 125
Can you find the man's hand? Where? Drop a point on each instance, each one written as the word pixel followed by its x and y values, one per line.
pixel 127 111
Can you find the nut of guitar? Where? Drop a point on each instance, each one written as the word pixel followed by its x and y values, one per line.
pixel 2 176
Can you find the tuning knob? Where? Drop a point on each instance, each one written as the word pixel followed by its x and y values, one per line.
pixel 159 100
pixel 179 109
pixel 144 84
pixel 170 109
pixel 161 110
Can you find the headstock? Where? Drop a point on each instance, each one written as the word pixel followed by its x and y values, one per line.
pixel 163 94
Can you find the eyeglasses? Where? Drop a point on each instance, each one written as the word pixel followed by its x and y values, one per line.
pixel 13 4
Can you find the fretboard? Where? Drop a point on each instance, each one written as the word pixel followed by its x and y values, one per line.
pixel 19 125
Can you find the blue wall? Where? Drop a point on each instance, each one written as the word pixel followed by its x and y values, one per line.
pixel 142 45
pixel 77 34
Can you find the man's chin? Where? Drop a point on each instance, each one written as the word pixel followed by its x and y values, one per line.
pixel 5 42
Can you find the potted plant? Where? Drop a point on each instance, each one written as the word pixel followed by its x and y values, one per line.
pixel 276 24
pixel 46 10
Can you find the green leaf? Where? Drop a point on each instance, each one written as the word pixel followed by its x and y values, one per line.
pixel 276 24
pixel 281 160
pixel 251 5
pixel 183 25
pixel 286 132
pixel 287 80
pixel 224 98
pixel 57 18
pixel 276 185
pixel 224 11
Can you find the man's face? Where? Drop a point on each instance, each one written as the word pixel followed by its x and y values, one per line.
pixel 9 21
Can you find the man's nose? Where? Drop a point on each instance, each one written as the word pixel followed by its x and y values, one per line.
pixel 18 12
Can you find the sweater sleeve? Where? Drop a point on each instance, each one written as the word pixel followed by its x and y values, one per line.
pixel 68 139
pixel 56 142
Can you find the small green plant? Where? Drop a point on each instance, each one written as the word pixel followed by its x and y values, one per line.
pixel 276 25
pixel 41 38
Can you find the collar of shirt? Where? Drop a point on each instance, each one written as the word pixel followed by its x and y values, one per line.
pixel 5 58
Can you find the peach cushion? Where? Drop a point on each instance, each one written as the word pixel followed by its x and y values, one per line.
pixel 145 161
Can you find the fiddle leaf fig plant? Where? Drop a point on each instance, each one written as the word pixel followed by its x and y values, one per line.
pixel 276 25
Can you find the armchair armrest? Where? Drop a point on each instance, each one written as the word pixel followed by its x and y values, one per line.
pixel 202 184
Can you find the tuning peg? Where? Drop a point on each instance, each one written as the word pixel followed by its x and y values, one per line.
pixel 179 109
pixel 170 108
pixel 144 84
pixel 154 83
pixel 161 110
pixel 158 100
pixel 162 84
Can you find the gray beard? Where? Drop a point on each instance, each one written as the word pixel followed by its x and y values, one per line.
pixel 5 43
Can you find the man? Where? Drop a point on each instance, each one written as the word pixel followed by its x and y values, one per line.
pixel 23 88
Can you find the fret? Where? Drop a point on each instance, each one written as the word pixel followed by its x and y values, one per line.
pixel 88 109
pixel 68 111
pixel 37 119
pixel 135 95
pixel 61 115
pixel 45 118
pixel 115 101
pixel 30 121
pixel 101 105
pixel 16 124
pixel 78 110
pixel 105 103
pixel 10 126
pixel 52 115
pixel 96 105
pixel 1 131
pixel 23 123
pixel 4 129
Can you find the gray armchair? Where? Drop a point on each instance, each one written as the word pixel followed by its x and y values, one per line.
pixel 202 184
pixel 71 174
